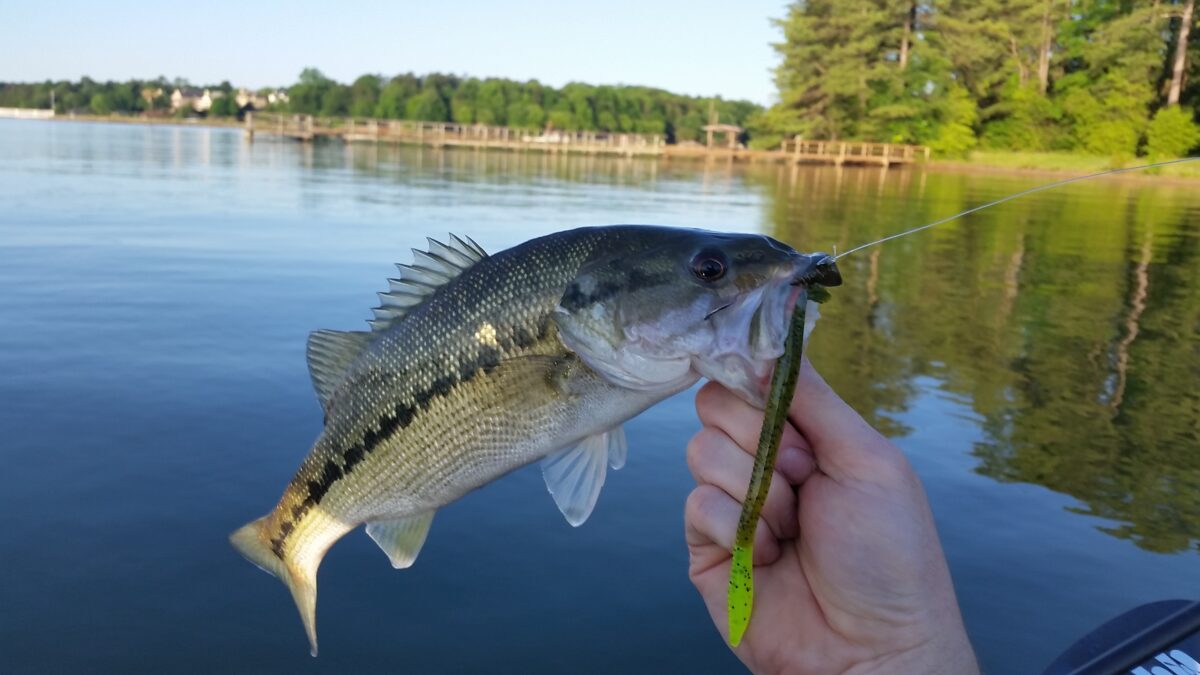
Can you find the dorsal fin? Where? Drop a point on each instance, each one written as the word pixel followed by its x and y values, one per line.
pixel 430 271
pixel 330 353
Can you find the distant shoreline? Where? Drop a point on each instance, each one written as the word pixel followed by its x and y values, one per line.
pixel 993 162
pixel 153 121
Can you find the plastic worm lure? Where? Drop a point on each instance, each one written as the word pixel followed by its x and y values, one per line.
pixel 779 400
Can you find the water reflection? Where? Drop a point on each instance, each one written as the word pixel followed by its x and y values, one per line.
pixel 1069 323
pixel 160 282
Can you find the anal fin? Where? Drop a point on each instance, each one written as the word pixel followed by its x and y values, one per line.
pixel 401 538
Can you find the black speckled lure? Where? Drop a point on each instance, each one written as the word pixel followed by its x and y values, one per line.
pixel 779 399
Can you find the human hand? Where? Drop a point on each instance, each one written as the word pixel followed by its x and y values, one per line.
pixel 849 575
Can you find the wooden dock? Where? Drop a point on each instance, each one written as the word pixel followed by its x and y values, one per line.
pixel 442 135
pixel 800 151
pixel 845 152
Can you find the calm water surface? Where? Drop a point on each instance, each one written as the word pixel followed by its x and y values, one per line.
pixel 1037 362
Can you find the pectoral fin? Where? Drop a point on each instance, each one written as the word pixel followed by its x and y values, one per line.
pixel 575 475
pixel 401 538
pixel 618 449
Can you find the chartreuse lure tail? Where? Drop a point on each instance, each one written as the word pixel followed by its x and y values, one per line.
pixel 779 400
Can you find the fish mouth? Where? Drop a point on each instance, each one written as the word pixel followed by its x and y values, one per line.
pixel 817 268
pixel 753 328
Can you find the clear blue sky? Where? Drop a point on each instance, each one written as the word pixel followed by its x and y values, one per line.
pixel 698 47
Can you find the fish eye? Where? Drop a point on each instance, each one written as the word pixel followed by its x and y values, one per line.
pixel 709 265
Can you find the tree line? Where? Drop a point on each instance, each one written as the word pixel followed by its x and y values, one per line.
pixel 434 97
pixel 1118 78
pixel 1106 77
pixel 132 97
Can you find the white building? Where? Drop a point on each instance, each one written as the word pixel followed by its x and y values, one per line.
pixel 245 97
pixel 205 101
pixel 184 97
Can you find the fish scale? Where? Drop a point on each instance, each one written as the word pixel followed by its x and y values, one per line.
pixel 478 365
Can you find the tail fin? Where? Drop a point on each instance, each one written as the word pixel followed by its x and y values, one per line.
pixel 254 542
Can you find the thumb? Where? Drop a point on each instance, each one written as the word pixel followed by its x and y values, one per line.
pixel 843 444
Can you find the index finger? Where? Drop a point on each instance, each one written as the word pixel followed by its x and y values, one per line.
pixel 718 407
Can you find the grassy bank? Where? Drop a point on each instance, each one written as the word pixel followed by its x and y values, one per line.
pixel 1058 163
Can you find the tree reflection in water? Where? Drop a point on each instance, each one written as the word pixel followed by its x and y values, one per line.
pixel 1070 321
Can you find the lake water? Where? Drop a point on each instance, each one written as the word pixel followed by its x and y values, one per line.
pixel 1037 362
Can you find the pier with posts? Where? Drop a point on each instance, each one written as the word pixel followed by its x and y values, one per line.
pixel 308 128
pixel 443 134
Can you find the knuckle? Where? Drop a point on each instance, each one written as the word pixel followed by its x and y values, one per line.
pixel 779 497
pixel 694 450
pixel 699 448
pixel 695 507
pixel 707 399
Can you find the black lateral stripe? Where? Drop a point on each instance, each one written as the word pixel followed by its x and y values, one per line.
pixel 634 279
pixel 403 415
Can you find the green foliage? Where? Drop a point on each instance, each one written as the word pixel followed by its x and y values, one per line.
pixel 462 102
pixel 364 95
pixel 832 60
pixel 224 106
pixel 434 97
pixel 1037 75
pixel 528 105
pixel 762 137
pixel 305 96
pixel 100 105
pixel 1109 116
pixel 129 97
pixel 1026 120
pixel 490 104
pixel 312 77
pixel 335 100
pixel 427 105
pixel 1172 133
pixel 956 135
pixel 392 98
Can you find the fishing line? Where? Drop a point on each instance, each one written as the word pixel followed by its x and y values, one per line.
pixel 1022 193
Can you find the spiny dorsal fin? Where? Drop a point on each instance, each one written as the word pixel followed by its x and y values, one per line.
pixel 330 353
pixel 430 271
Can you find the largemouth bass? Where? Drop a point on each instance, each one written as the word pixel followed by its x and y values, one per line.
pixel 477 365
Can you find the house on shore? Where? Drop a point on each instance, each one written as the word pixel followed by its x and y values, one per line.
pixel 184 97
pixel 206 99
pixel 247 99
pixel 199 100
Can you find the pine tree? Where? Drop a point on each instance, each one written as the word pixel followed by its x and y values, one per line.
pixel 831 54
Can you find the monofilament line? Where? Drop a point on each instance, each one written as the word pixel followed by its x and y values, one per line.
pixel 1013 196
